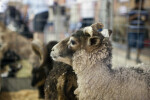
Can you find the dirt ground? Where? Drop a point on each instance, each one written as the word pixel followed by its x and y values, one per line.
pixel 20 95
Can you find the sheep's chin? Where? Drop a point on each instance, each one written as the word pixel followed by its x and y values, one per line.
pixel 61 59
pixel 55 58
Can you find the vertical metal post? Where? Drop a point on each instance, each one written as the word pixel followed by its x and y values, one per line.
pixel 103 13
pixel 106 13
pixel 111 13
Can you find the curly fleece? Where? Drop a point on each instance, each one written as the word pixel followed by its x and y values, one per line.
pixel 98 81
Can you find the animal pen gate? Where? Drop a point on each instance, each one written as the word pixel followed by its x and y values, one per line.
pixel 112 13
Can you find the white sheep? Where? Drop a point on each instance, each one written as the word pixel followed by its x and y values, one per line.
pixel 90 56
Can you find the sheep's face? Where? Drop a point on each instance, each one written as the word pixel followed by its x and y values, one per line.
pixel 64 50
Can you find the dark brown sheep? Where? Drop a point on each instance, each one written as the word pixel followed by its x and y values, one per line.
pixel 40 72
pixel 61 80
pixel 61 83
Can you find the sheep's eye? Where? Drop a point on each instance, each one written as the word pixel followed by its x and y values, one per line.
pixel 73 42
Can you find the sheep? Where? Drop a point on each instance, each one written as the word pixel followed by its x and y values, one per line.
pixel 61 83
pixel 11 59
pixel 90 54
pixel 38 80
pixel 61 80
pixel 10 40
pixel 39 73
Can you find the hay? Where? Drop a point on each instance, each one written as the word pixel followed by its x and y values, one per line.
pixel 26 69
pixel 20 95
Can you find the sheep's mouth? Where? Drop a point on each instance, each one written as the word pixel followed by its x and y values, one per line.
pixel 54 57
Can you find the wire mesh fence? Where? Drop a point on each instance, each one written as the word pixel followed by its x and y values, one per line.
pixel 122 26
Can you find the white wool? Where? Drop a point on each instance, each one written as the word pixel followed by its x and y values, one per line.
pixel 96 82
pixel 105 32
pixel 88 30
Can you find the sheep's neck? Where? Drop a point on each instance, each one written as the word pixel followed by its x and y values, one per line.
pixel 99 59
pixel 90 70
pixel 94 63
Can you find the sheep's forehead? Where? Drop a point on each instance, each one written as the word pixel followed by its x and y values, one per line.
pixel 72 38
pixel 78 38
pixel 63 43
pixel 80 33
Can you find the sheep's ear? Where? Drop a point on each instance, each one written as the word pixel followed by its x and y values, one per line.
pixel 38 47
pixel 93 41
pixel 106 32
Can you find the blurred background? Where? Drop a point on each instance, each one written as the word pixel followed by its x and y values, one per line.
pixel 22 21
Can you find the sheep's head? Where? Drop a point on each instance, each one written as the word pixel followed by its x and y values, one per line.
pixel 89 38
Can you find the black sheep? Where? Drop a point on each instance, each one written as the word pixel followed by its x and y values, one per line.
pixel 39 73
pixel 61 80
pixel 11 58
